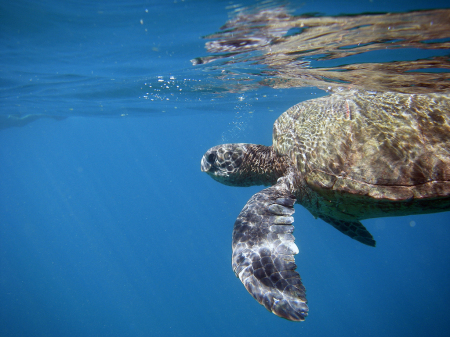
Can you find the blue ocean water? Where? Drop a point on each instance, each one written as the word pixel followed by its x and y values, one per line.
pixel 108 227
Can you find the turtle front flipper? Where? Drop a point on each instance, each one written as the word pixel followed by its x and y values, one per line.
pixel 353 229
pixel 264 249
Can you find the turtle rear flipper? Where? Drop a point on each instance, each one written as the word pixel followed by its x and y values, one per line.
pixel 353 229
pixel 263 253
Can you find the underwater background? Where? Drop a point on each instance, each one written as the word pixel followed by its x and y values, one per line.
pixel 109 228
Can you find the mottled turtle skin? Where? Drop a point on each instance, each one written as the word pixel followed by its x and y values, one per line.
pixel 348 156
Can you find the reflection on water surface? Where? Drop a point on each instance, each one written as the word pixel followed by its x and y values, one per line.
pixel 403 52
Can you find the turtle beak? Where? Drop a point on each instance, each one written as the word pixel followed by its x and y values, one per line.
pixel 204 165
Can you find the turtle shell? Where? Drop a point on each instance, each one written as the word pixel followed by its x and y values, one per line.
pixel 381 145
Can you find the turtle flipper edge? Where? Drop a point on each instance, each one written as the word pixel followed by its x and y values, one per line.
pixel 263 253
pixel 353 229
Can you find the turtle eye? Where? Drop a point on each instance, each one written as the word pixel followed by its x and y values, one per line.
pixel 211 158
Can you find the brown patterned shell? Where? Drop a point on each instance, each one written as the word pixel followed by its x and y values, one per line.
pixel 382 145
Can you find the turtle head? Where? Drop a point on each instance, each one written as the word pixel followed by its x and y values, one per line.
pixel 224 162
pixel 241 164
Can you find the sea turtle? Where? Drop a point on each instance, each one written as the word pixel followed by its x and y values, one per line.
pixel 347 156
